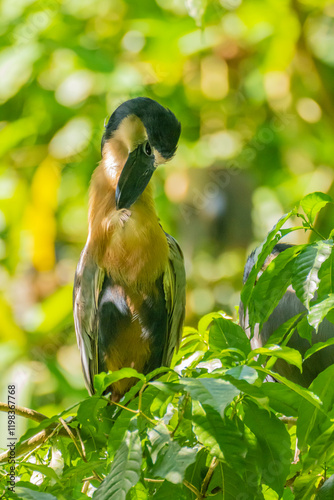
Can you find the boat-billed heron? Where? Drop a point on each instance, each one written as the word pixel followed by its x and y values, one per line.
pixel 129 288
pixel 287 308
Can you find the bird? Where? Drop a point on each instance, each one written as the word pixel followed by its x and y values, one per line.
pixel 129 285
pixel 287 308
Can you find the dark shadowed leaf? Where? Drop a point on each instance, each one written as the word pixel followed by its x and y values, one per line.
pixel 274 444
pixel 326 492
pixel 312 420
pixel 220 436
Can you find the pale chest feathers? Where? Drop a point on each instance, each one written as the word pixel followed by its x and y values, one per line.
pixel 136 248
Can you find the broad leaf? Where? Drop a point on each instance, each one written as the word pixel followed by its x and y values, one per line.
pixel 304 393
pixel 172 462
pixel 212 392
pixel 274 444
pixel 305 280
pixel 313 203
pixel 289 355
pixel 125 470
pixel 27 494
pixel 320 310
pixel 318 347
pixel 311 419
pixel 103 380
pixel 326 492
pixel 220 436
pixel 138 492
pixel 262 253
pixel 272 285
pixel 224 333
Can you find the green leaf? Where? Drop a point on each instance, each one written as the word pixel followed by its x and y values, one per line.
pixel 313 203
pixel 272 285
pixel 169 490
pixel 103 380
pixel 304 393
pixel 320 310
pixel 220 436
pixel 305 280
pixel 320 451
pixel 88 411
pixel 119 430
pixel 318 347
pixel 43 469
pixel 27 494
pixel 274 444
pixel 311 419
pixel 138 492
pixel 282 399
pixel 326 276
pixel 125 470
pixel 212 392
pixel 283 333
pixel 326 492
pixel 290 355
pixel 172 462
pixel 305 330
pixel 262 253
pixel 224 333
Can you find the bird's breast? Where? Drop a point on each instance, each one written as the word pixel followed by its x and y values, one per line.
pixel 136 252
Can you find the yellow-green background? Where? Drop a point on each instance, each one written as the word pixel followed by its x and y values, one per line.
pixel 252 83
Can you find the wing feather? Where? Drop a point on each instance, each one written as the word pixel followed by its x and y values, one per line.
pixel 174 281
pixel 87 286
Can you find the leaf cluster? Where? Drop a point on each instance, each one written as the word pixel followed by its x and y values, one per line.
pixel 209 426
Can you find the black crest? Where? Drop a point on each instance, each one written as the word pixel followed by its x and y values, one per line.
pixel 163 129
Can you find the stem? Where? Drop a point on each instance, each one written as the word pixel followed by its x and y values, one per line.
pixel 186 399
pixel 208 477
pixel 192 488
pixel 140 397
pixel 70 433
pixel 24 412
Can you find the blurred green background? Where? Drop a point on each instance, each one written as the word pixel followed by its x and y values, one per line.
pixel 252 83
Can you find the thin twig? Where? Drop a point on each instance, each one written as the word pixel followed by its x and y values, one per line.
pixel 192 488
pixel 208 477
pixel 70 433
pixel 186 399
pixel 288 420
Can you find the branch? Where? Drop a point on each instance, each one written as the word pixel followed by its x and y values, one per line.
pixel 38 439
pixel 24 412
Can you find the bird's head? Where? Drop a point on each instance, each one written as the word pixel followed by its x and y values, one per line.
pixel 140 135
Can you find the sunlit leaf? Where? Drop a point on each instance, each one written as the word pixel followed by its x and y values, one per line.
pixel 313 203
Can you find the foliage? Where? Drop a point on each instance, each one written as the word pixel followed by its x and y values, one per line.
pixel 209 426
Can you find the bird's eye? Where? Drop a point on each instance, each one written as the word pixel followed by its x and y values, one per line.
pixel 147 148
